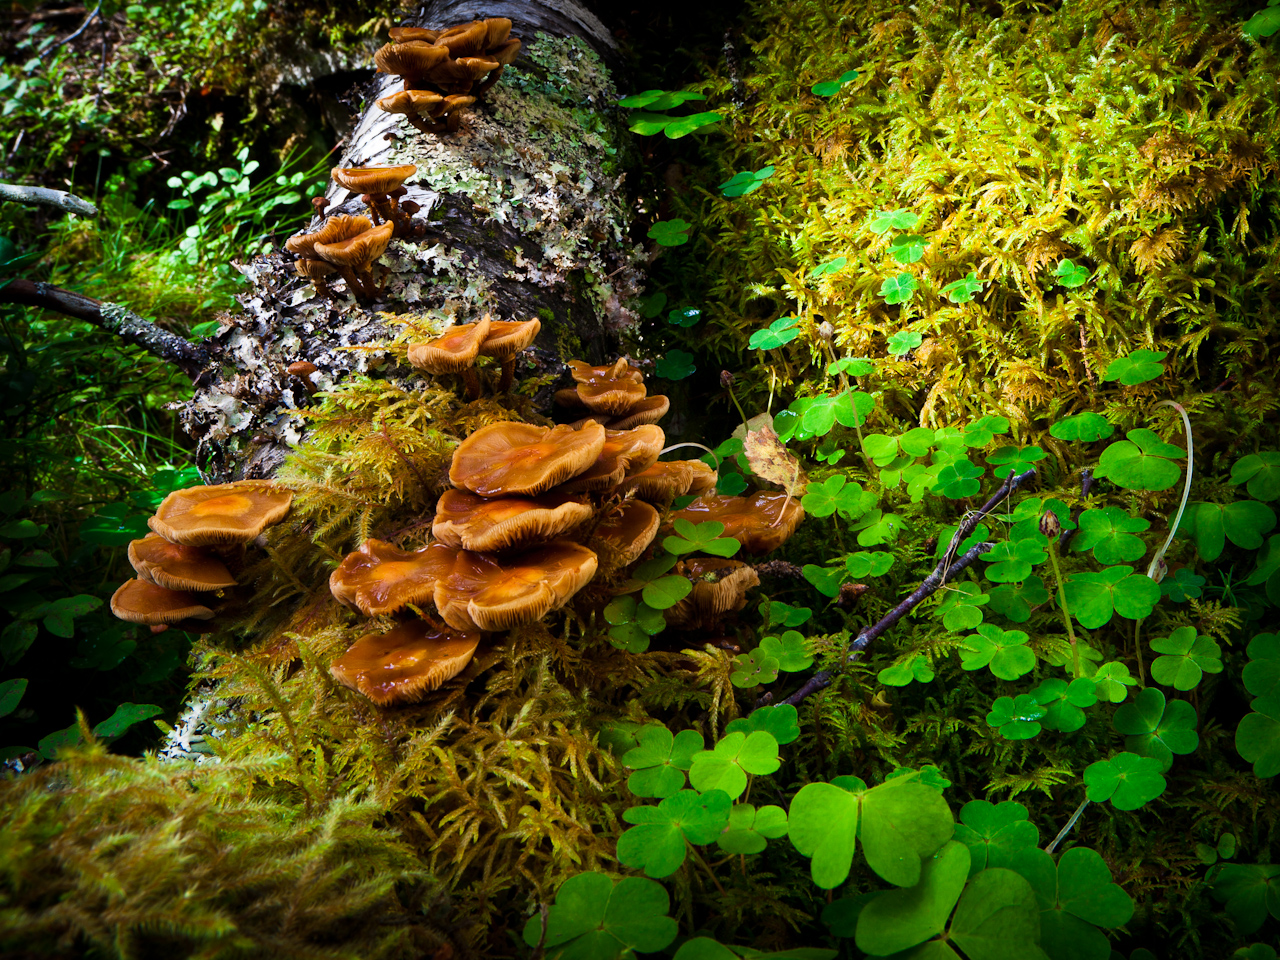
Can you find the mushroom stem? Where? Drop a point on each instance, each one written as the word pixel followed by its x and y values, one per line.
pixel 489 81
pixel 508 375
pixel 472 381
pixel 353 282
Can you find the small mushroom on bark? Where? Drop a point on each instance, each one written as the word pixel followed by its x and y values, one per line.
pixel 719 587
pixel 411 60
pixel 138 601
pixel 505 340
pixel 455 352
pixel 176 566
pixel 380 187
pixel 354 258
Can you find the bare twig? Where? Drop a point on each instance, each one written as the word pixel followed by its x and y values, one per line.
pixel 190 358
pixel 83 27
pixel 946 569
pixel 43 196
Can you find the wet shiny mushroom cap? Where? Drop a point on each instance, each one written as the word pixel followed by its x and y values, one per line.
pixel 628 529
pixel 486 593
pixel 612 390
pixel 510 458
pixel 407 34
pixel 360 251
pixel 373 180
pixel 178 567
pixel 137 601
pixel 453 352
pixel 506 338
pixel 760 522
pixel 379 578
pixel 411 59
pixel 335 230
pixel 412 102
pixel 221 515
pixel 404 664
pixel 479 523
pixel 625 452
pixel 668 479
pixel 649 410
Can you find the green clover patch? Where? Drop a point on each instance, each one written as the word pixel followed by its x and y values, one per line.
pixel 1003 651
pixel 1187 658
pixel 1142 462
pixel 1070 275
pixel 670 233
pixel 781 331
pixel 1140 366
pixel 1016 718
pixel 887 220
pixel 962 291
pixel 1095 597
pixel 1084 427
pixel 1127 780
pixel 659 760
pixel 1261 472
pixel 740 184
pixel 1156 728
pixel 594 917
pixel 898 289
pixel 1109 533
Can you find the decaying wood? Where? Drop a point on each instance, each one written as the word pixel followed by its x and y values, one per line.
pixel 43 196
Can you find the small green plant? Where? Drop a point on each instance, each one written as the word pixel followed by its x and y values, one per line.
pixel 648 120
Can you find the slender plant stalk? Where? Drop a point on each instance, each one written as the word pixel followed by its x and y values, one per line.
pixel 1066 611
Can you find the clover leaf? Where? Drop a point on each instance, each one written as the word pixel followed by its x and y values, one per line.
pixel 1261 674
pixel 595 918
pixel 632 623
pixel 1109 534
pixel 779 720
pixel 1076 896
pixel 868 563
pixel 1250 892
pixel 750 829
pixel 994 832
pixel 1143 462
pixel 1060 655
pixel 1071 275
pixel 1258 737
pixel 829 88
pixel 754 667
pixel 705 537
pixel 908 247
pixel 1262 473
pixel 1138 367
pixel 897 920
pixel 124 717
pixel 652 304
pixel 1243 522
pixel 675 365
pixel 828 267
pixel 659 760
pixel 789 650
pixel 878 527
pixel 746 182
pixel 783 330
pixel 1182 585
pixel 1156 728
pixel 916 667
pixel 898 289
pixel 1015 459
pixel 1064 703
pixel 659 590
pixel 836 493
pixel 853 366
pixel 887 220
pixel 958 479
pixel 1111 680
pixel 11 692
pixel 659 840
pixel 826 580
pixel 1187 658
pixel 670 233
pixel 659 99
pixel 1016 718
pixel 726 765
pixel 962 291
pixel 1094 597
pixel 1127 780
pixel 1085 427
pixel 1015 600
pixel 683 126
pixel 775 613
pixel 684 316
pixel 961 607
pixel 1003 651
pixel 1012 561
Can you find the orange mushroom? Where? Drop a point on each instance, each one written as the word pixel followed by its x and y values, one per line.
pixel 380 188
pixel 505 340
pixel 484 593
pixel 222 515
pixel 625 452
pixel 178 567
pixel 760 522
pixel 379 578
pixel 668 479
pixel 478 523
pixel 404 664
pixel 455 352
pixel 138 601
pixel 354 258
pixel 613 389
pixel 719 587
pixel 628 530
pixel 649 410
pixel 523 459
pixel 411 60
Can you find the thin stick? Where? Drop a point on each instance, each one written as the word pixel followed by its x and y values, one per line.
pixel 43 196
pixel 1067 829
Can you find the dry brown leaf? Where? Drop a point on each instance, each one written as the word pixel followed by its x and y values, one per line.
pixel 771 461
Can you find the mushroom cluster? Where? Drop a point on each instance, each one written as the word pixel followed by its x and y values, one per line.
pixel 445 71
pixel 457 350
pixel 185 564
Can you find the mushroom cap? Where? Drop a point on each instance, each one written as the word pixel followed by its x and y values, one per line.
pixel 568 397
pixel 221 515
pixel 508 337
pixel 408 34
pixel 461 70
pixel 178 567
pixel 668 479
pixel 510 458
pixel 379 578
pixel 453 352
pixel 313 269
pixel 360 251
pixel 613 390
pixel 467 39
pixel 410 59
pixel 479 523
pixel 761 522
pixel 138 601
pixel 411 102
pixel 649 410
pixel 629 530
pixel 484 593
pixel 499 29
pixel 624 452
pixel 373 180
pixel 456 102
pixel 334 230
pixel 302 368
pixel 719 586
pixel 404 664
pixel 505 53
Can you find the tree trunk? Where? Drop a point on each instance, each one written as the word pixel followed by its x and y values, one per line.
pixel 525 216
